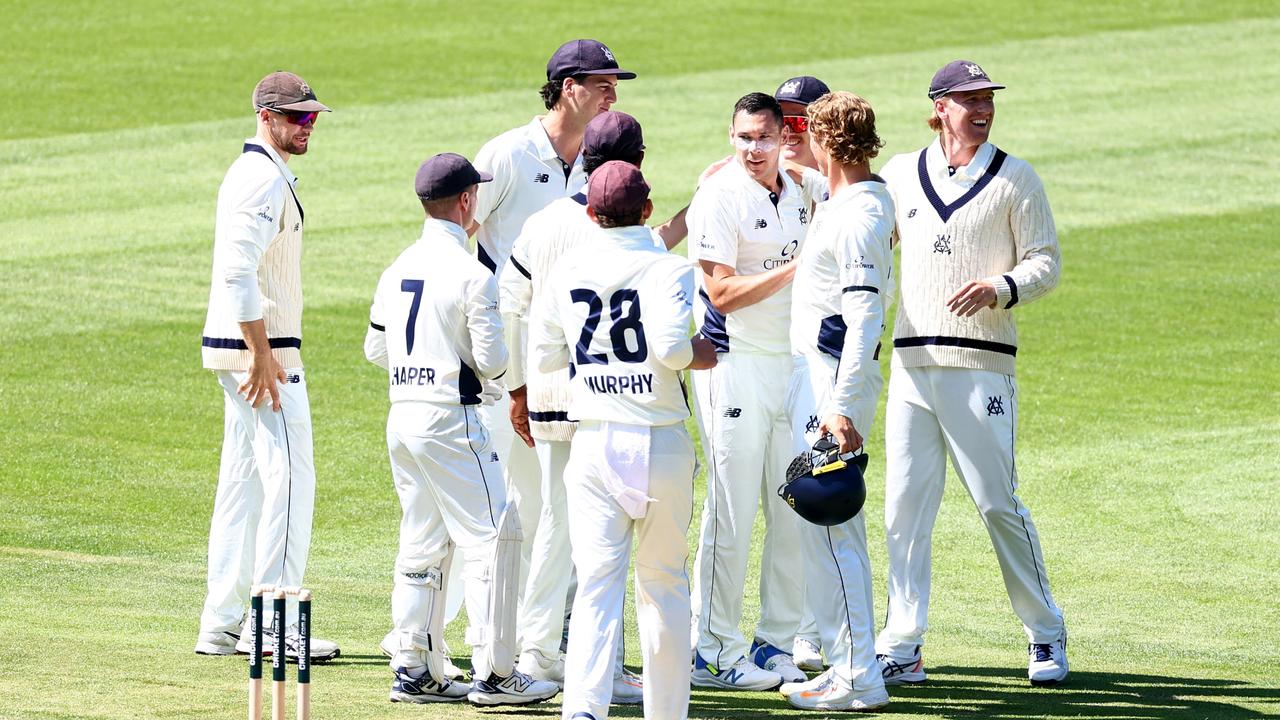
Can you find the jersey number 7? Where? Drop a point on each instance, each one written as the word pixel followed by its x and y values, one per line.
pixel 620 324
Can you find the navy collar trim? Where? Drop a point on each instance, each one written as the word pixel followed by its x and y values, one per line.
pixel 580 198
pixel 944 210
pixel 251 147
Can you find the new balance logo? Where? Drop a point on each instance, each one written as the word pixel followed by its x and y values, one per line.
pixel 294 378
pixel 995 405
pixel 943 245
pixel 733 412
pixel 493 457
pixel 542 178
pixel 733 676
pixel 761 224
pixel 911 213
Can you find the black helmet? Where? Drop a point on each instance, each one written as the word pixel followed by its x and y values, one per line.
pixel 825 487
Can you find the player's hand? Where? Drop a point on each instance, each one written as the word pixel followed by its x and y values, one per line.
pixel 704 354
pixel 520 414
pixel 794 169
pixel 842 432
pixel 971 298
pixel 264 373
pixel 714 168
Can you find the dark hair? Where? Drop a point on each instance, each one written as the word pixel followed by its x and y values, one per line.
pixel 758 102
pixel 610 221
pixel 591 162
pixel 550 92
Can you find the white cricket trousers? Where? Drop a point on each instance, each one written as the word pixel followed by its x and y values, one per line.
pixel 601 535
pixel 521 471
pixel 261 527
pixel 546 593
pixel 971 416
pixel 451 495
pixel 746 429
pixel 838 571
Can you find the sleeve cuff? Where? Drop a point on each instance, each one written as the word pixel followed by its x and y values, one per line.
pixel 1006 291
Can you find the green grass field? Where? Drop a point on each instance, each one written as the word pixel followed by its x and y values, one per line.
pixel 1149 379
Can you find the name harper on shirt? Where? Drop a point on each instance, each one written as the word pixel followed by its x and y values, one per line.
pixel 633 384
pixel 413 376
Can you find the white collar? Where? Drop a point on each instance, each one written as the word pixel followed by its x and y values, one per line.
pixel 275 158
pixel 966 175
pixel 631 236
pixel 431 227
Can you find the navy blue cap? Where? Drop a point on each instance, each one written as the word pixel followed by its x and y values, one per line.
pixel 584 57
pixel 617 189
pixel 804 90
pixel 959 76
pixel 446 175
pixel 615 135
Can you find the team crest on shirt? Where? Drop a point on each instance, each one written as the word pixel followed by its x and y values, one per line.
pixel 943 245
pixel 804 216
pixel 812 425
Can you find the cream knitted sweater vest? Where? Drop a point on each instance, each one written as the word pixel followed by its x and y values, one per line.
pixel 1000 230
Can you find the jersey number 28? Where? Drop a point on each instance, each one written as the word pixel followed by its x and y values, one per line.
pixel 622 319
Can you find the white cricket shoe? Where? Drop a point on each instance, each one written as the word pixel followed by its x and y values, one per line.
pixel 540 667
pixel 902 671
pixel 451 671
pixel 795 687
pixel 1047 662
pixel 514 689
pixel 832 694
pixel 321 650
pixel 807 655
pixel 628 688
pixel 217 643
pixel 774 659
pixel 743 675
pixel 424 689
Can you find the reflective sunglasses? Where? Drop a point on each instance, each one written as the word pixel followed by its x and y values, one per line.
pixel 796 123
pixel 297 118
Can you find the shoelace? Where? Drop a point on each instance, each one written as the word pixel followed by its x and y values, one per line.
pixel 1043 651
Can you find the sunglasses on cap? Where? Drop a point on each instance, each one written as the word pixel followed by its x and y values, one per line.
pixel 796 123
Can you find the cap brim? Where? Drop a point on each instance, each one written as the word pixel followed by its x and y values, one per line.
pixel 484 176
pixel 616 72
pixel 974 85
pixel 304 106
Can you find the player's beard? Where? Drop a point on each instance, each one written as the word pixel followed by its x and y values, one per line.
pixel 280 136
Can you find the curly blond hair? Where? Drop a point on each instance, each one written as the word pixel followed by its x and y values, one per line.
pixel 845 126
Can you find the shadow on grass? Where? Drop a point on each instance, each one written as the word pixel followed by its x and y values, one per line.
pixel 954 692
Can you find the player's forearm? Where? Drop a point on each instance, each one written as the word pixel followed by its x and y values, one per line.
pixel 675 229
pixel 515 376
pixel 255 337
pixel 375 347
pixel 735 292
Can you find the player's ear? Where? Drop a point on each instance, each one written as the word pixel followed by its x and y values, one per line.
pixel 591 213
pixel 646 212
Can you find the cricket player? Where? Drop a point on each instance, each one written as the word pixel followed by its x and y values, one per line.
pixel 547 236
pixel 434 326
pixel 631 466
pixel 978 241
pixel 531 166
pixel 795 95
pixel 746 224
pixel 261 527
pixel 843 289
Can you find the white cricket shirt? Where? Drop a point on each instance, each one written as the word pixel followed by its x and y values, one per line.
pixel 616 313
pixel 735 221
pixel 844 286
pixel 527 176
pixel 434 324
